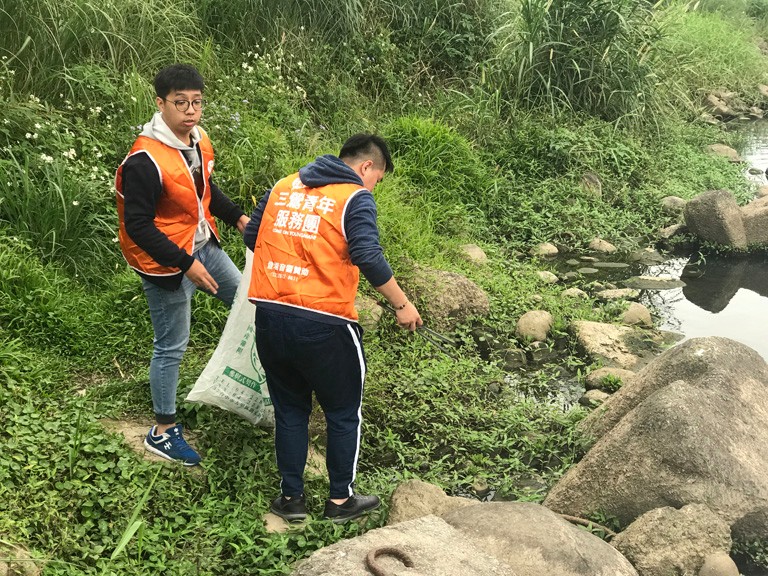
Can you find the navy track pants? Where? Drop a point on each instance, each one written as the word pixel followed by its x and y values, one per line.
pixel 302 356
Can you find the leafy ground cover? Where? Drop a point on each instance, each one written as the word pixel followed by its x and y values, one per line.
pixel 491 139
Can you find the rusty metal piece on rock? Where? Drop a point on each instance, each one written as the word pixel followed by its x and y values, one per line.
pixel 394 551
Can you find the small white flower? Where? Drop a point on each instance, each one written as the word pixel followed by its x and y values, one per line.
pixel 75 203
pixel 47 159
pixel 28 135
pixel 71 154
pixel 37 126
pixel 115 240
pixel 133 99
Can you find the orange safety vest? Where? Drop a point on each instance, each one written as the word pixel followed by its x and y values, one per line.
pixel 178 208
pixel 301 258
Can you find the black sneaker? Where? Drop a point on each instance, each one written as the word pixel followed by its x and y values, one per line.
pixel 355 506
pixel 293 510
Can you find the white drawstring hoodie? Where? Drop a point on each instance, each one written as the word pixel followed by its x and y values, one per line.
pixel 158 130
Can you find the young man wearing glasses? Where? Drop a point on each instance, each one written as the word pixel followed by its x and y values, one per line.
pixel 166 203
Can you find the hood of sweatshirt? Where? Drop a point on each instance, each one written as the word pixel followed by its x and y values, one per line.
pixel 158 130
pixel 328 169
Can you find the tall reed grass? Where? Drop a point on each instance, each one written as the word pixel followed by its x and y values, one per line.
pixel 248 24
pixel 44 39
pixel 596 57
pixel 449 40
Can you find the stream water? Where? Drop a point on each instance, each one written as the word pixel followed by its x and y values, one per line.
pixel 724 295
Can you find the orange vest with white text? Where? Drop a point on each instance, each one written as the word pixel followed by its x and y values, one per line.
pixel 301 258
pixel 177 210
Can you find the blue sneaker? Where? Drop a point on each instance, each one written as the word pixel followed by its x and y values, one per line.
pixel 172 446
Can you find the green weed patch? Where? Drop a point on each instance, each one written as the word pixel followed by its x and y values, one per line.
pixel 494 120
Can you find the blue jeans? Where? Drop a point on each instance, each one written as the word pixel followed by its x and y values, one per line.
pixel 302 356
pixel 171 312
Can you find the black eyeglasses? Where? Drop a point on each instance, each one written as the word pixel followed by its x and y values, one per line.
pixel 183 105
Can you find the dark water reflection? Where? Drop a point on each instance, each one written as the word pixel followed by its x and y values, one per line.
pixel 723 296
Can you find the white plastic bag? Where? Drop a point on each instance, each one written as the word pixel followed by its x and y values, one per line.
pixel 233 379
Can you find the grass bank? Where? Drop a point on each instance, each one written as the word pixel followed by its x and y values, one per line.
pixel 492 130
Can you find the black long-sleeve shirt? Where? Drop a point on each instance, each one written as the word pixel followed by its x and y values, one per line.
pixel 141 191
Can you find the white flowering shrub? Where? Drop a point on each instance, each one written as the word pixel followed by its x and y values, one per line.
pixel 256 118
pixel 55 181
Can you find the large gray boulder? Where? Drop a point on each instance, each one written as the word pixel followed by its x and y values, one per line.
pixel 435 547
pixel 715 216
pixel 534 325
pixel 533 541
pixel 695 361
pixel 755 218
pixel 691 427
pixel 416 498
pixel 618 346
pixel 447 298
pixel 668 541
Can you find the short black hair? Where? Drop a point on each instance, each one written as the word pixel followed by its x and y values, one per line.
pixel 178 77
pixel 365 146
